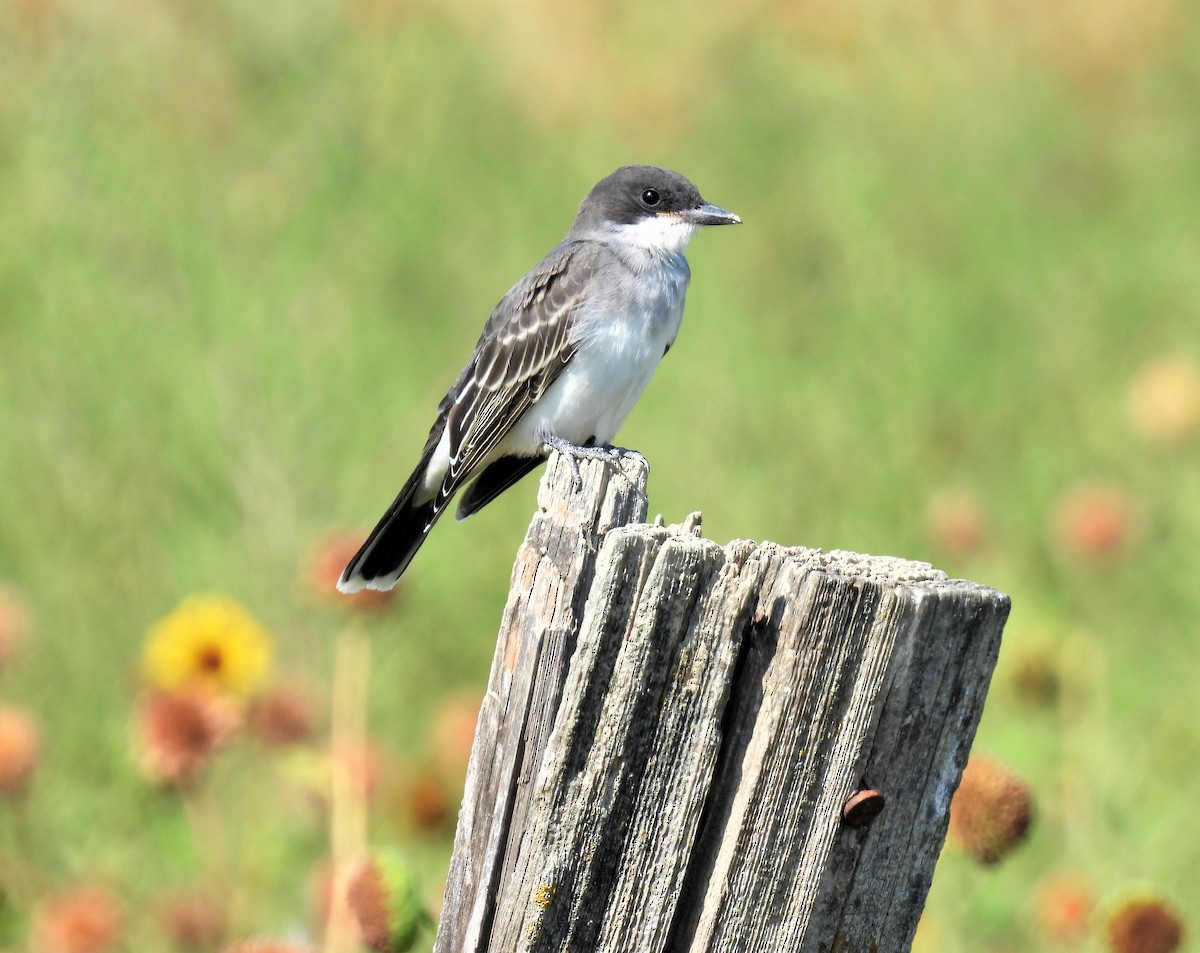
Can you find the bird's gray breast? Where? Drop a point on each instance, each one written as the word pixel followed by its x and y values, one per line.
pixel 635 310
pixel 627 324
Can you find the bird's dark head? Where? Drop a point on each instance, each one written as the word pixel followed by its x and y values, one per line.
pixel 653 207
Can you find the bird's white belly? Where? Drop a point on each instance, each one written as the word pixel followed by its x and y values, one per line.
pixel 598 389
pixel 591 400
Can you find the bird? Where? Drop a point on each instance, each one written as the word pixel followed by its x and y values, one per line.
pixel 560 363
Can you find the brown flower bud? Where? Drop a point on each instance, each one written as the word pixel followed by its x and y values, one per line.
pixel 991 811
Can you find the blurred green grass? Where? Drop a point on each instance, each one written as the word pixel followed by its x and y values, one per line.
pixel 245 247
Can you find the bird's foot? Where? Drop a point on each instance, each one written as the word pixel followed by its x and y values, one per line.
pixel 573 453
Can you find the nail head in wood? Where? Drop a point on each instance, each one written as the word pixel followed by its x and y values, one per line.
pixel 862 807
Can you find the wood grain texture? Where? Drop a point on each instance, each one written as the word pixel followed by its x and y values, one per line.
pixel 673 727
pixel 550 580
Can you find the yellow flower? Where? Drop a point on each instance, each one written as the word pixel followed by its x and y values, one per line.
pixel 209 641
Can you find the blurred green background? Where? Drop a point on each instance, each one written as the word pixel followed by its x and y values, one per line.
pixel 245 247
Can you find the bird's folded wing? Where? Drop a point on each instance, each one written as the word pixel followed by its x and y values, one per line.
pixel 525 345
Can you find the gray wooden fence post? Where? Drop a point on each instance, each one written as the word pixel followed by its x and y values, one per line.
pixel 673 729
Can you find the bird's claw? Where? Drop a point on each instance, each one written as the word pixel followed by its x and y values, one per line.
pixel 576 476
pixel 574 453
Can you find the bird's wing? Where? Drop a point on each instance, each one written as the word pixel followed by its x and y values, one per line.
pixel 525 345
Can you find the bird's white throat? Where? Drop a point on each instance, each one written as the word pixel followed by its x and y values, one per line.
pixel 663 234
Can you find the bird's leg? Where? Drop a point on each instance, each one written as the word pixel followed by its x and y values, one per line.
pixel 573 453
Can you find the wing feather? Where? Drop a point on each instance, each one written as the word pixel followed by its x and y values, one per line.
pixel 525 345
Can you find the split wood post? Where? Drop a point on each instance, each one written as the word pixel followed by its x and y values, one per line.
pixel 672 730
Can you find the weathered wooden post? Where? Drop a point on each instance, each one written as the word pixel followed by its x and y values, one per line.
pixel 673 729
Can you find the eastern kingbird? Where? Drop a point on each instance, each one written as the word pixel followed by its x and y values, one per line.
pixel 561 361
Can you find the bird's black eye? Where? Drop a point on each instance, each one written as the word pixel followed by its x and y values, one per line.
pixel 651 197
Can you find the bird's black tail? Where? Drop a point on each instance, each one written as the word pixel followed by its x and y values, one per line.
pixel 394 541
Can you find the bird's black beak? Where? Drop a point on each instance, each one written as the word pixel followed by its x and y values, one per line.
pixel 707 214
